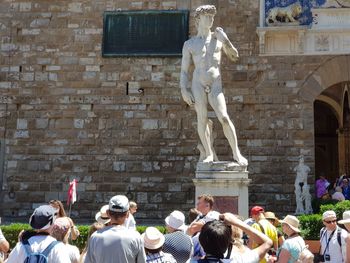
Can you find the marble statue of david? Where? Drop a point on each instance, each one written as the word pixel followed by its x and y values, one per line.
pixel 205 51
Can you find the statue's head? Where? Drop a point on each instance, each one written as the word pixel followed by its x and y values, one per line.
pixel 206 10
pixel 301 159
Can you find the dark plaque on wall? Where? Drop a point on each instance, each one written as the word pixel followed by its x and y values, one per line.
pixel 144 33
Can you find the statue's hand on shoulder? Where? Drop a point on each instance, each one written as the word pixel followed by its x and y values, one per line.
pixel 187 96
pixel 220 35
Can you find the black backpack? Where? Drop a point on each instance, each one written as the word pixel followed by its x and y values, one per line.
pixel 209 260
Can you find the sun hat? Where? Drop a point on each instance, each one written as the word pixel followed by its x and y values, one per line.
pixel 292 222
pixel 330 214
pixel 346 218
pixel 176 220
pixel 101 216
pixel 257 210
pixel 270 215
pixel 152 238
pixel 43 217
pixel 119 203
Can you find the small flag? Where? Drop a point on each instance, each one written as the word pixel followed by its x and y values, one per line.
pixel 72 192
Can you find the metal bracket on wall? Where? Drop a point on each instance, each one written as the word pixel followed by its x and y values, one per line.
pixel 3 181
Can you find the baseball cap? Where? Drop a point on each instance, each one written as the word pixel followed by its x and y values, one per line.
pixel 329 214
pixel 256 210
pixel 43 217
pixel 119 203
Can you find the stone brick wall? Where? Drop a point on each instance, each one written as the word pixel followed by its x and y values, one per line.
pixel 65 112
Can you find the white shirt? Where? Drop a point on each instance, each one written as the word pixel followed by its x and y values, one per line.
pixel 73 252
pixel 211 216
pixel 2 238
pixel 58 253
pixel 130 222
pixel 248 256
pixel 336 254
pixel 338 196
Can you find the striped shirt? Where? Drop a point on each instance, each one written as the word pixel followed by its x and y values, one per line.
pixel 160 257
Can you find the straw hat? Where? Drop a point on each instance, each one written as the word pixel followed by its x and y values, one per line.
pixel 270 215
pixel 152 238
pixel 292 222
pixel 346 218
pixel 102 217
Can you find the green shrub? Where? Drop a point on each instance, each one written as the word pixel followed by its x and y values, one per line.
pixel 12 231
pixel 80 242
pixel 338 208
pixel 310 226
pixel 317 203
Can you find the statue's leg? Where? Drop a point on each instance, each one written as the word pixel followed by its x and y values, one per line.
pixel 201 104
pixel 298 200
pixel 217 101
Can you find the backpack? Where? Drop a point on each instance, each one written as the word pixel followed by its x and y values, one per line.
pixel 209 260
pixel 305 256
pixel 37 257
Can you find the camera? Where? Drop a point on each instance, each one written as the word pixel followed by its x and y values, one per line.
pixel 323 258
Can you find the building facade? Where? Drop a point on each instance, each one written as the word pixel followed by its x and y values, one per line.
pixel 119 125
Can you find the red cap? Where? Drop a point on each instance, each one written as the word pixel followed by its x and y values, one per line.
pixel 256 210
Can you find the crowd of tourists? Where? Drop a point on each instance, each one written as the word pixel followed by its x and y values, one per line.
pixel 339 190
pixel 209 237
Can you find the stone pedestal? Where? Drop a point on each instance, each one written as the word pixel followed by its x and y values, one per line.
pixel 227 182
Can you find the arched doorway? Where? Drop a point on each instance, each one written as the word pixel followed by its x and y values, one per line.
pixel 332 132
pixel 344 135
pixel 325 90
pixel 326 141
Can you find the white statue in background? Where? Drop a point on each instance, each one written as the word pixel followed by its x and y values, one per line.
pixel 204 50
pixel 302 189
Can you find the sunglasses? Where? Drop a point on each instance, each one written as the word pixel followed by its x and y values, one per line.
pixel 331 221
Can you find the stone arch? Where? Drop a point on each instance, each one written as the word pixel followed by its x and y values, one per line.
pixel 334 105
pixel 343 101
pixel 332 71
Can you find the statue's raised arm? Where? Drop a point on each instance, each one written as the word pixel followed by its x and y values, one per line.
pixel 229 49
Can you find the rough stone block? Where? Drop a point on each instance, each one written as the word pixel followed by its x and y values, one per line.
pixel 92 68
pixel 25 7
pixel 78 123
pixel 53 68
pixel 28 32
pixel 41 123
pixel 119 166
pixel 22 124
pixel 150 124
pixel 21 134
pixel 75 7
